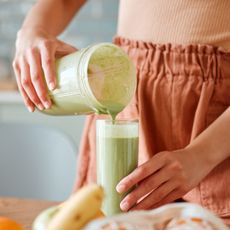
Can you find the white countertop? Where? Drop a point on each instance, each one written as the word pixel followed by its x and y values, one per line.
pixel 10 97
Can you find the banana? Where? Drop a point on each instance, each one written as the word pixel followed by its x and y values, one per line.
pixel 99 215
pixel 78 209
pixel 43 219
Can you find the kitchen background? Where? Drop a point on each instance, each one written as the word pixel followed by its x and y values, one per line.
pixel 96 22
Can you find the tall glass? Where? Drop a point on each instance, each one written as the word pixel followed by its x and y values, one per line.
pixel 117 156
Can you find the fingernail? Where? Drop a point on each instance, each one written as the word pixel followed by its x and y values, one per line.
pixel 40 106
pixel 120 188
pixel 124 206
pixel 31 109
pixel 47 104
pixel 51 86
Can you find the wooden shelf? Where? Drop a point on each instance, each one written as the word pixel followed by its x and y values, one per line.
pixel 8 85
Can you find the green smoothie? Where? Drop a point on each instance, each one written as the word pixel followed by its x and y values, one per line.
pixel 117 156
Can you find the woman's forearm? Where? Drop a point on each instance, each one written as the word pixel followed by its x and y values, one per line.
pixel 214 143
pixel 52 15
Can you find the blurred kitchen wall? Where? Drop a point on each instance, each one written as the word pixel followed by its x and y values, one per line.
pixel 96 22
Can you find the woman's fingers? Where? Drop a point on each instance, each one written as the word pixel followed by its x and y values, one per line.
pixel 164 178
pixel 172 196
pixel 37 78
pixel 63 49
pixel 141 173
pixel 157 195
pixel 47 51
pixel 145 187
pixel 29 104
pixel 36 51
pixel 27 84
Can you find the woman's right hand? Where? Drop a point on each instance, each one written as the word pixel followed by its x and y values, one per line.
pixel 34 65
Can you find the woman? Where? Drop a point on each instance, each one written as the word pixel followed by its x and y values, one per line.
pixel 181 50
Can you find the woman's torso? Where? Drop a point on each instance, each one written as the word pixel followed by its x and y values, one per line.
pixel 176 21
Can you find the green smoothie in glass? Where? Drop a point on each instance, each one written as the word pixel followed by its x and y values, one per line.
pixel 117 156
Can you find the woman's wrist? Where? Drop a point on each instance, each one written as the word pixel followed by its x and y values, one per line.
pixel 35 29
pixel 203 154
pixel 213 145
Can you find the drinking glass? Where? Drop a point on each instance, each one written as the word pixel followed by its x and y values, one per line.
pixel 117 156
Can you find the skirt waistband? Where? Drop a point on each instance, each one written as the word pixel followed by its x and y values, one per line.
pixel 176 59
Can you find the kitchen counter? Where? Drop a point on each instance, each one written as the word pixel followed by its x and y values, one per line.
pixel 9 93
pixel 13 110
pixel 10 97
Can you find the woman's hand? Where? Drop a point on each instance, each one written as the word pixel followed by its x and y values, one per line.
pixel 166 177
pixel 35 54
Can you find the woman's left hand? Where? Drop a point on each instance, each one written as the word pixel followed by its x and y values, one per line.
pixel 166 177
